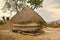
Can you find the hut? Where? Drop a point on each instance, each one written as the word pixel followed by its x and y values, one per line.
pixel 54 24
pixel 28 18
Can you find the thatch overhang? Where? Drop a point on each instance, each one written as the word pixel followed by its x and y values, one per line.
pixel 26 16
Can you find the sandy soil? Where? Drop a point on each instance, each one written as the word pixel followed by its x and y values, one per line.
pixel 50 34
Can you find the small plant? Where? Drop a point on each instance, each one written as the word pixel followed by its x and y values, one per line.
pixel 1 22
pixel 7 18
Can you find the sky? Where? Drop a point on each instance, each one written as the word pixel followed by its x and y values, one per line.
pixel 49 12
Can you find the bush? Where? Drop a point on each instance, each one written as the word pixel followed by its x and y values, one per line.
pixel 1 22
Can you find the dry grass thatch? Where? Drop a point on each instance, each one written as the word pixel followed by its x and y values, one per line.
pixel 54 24
pixel 27 16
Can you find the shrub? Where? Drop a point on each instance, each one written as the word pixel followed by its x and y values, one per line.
pixel 1 22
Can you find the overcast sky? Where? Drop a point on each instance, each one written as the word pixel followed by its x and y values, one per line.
pixel 49 12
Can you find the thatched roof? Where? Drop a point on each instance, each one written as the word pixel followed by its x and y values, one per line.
pixel 54 24
pixel 27 15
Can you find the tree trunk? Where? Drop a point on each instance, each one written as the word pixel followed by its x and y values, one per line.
pixel 16 6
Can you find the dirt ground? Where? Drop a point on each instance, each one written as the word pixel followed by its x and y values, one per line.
pixel 50 34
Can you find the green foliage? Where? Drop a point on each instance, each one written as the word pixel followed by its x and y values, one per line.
pixel 18 5
pixel 35 3
pixel 7 4
pixel 13 5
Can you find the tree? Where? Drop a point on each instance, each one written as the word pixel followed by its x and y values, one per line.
pixel 13 5
pixel 18 5
pixel 35 3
